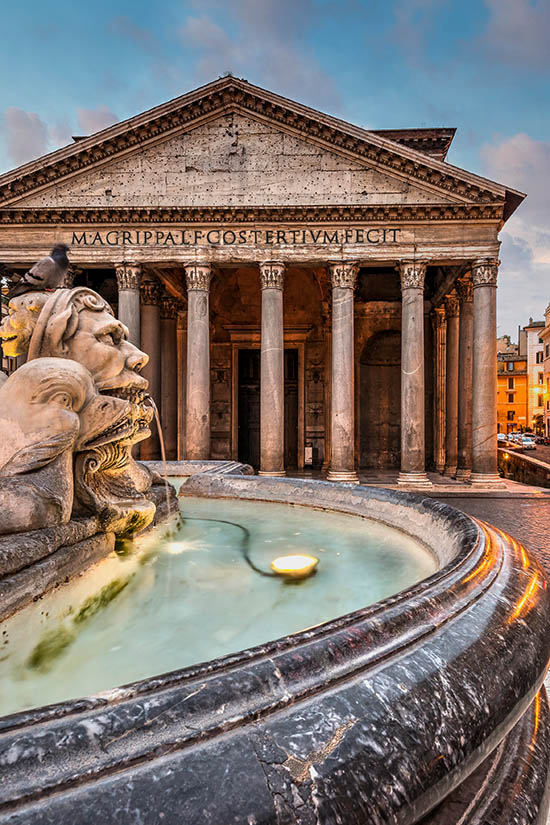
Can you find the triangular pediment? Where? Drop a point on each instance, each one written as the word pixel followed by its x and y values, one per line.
pixel 233 144
pixel 233 160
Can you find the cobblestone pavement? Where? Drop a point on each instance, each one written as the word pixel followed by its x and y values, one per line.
pixel 527 519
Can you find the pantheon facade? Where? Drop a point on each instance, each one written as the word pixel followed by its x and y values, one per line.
pixel 310 293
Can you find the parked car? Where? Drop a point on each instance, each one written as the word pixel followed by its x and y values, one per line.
pixel 528 442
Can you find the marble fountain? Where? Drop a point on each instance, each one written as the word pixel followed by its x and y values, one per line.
pixel 156 668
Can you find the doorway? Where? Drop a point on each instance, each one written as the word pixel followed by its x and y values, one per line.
pixel 291 409
pixel 249 407
pixel 380 401
pixel 248 401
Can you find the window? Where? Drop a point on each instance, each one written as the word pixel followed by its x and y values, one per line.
pixel 510 415
pixel 540 400
pixel 539 357
pixel 547 350
pixel 541 341
pixel 510 397
pixel 510 366
pixel 510 383
pixel 541 378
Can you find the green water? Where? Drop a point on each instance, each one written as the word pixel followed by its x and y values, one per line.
pixel 190 598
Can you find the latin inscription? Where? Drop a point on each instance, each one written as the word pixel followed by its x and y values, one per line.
pixel 234 237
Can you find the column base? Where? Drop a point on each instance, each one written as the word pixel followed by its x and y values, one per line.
pixel 272 473
pixel 450 472
pixel 440 468
pixel 492 480
pixel 346 476
pixel 463 474
pixel 416 480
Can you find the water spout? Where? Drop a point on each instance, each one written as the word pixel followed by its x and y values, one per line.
pixel 154 407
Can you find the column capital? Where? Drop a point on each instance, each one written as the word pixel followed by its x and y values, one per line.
pixel 272 274
pixel 465 290
pixel 198 276
pixel 412 274
pixel 128 275
pixel 151 292
pixel 485 271
pixel 439 317
pixel 169 308
pixel 343 274
pixel 452 306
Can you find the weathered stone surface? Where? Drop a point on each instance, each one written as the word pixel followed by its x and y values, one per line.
pixel 24 549
pixel 30 583
pixel 240 161
pixel 49 409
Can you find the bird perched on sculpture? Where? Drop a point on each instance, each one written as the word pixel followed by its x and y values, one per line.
pixel 47 273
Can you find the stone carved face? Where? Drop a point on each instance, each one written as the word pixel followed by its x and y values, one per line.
pixel 49 406
pixel 19 323
pixel 78 324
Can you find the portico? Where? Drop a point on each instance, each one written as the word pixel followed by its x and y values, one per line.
pixel 309 293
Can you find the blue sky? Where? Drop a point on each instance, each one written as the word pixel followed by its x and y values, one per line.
pixel 481 65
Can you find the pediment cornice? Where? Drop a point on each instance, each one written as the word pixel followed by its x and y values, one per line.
pixel 234 95
pixel 254 214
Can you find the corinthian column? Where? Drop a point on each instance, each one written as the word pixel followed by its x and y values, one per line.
pixel 272 378
pixel 439 324
pixel 150 340
pixel 413 442
pixel 465 290
pixel 342 427
pixel 484 374
pixel 169 376
pixel 197 427
pixel 128 279
pixel 452 310
pixel 182 375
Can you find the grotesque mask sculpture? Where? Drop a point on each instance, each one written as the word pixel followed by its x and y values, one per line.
pixel 48 409
pixel 78 325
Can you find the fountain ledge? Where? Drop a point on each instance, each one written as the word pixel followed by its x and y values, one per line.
pixel 425 708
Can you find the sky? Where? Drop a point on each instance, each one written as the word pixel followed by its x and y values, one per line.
pixel 483 66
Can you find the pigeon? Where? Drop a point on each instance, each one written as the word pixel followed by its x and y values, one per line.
pixel 48 273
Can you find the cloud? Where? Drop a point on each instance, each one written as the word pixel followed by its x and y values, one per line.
pixel 26 135
pixel 524 283
pixel 267 44
pixel 414 20
pixel 144 38
pixel 518 32
pixel 94 120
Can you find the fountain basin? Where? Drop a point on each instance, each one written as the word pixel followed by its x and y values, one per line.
pixel 396 712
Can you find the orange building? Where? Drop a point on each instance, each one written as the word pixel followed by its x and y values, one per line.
pixel 512 395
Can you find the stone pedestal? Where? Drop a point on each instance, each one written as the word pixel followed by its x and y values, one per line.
pixel 272 378
pixel 169 376
pixel 129 310
pixel 465 290
pixel 451 423
pixel 439 324
pixel 413 451
pixel 197 426
pixel 484 372
pixel 150 343
pixel 342 429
